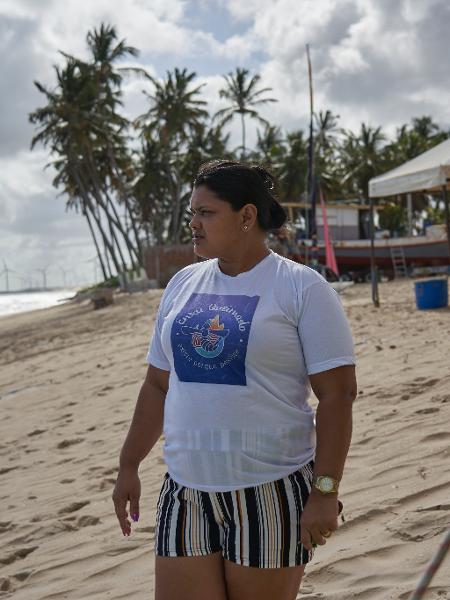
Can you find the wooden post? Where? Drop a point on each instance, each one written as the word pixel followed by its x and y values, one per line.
pixel 409 210
pixel 447 217
pixel 373 268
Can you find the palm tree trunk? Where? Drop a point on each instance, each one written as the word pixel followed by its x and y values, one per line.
pixel 113 219
pixel 91 229
pixel 115 241
pixel 243 135
pixel 116 220
pixel 129 246
pixel 85 209
pixel 108 246
pixel 125 197
pixel 98 222
pixel 174 192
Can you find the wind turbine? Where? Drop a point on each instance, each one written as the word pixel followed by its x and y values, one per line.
pixel 6 272
pixel 64 273
pixel 44 276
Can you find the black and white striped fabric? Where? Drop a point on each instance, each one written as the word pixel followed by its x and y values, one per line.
pixel 256 526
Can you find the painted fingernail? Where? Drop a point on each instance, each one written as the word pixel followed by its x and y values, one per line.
pixel 135 517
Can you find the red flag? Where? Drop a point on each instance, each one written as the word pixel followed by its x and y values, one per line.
pixel 329 250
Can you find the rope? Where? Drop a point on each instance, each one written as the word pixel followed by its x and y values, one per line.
pixel 431 569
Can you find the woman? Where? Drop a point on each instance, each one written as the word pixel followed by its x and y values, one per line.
pixel 239 341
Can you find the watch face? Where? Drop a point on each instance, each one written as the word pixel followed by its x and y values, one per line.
pixel 326 484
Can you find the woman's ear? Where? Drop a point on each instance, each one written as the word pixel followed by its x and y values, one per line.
pixel 249 216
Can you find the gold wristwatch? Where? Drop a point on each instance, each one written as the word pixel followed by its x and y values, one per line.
pixel 326 484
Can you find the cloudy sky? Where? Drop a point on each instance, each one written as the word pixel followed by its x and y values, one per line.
pixel 379 61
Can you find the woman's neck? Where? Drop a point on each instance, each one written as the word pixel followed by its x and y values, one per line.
pixel 233 265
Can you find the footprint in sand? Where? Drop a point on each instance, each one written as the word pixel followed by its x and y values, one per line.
pixel 6 526
pixel 425 381
pixel 7 470
pixel 426 411
pixel 36 432
pixel 111 471
pixel 105 484
pixel 389 415
pixel 73 507
pixel 18 554
pixel 36 519
pixel 362 442
pixel 435 507
pixel 67 443
pixel 5 585
pixel 409 527
pixel 441 399
pixel 87 521
pixel 440 436
pixel 64 460
pixel 122 549
pixel 22 575
pixel 150 529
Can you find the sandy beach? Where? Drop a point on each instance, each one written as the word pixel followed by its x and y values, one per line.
pixel 69 378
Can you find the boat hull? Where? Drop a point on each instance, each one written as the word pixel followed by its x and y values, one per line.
pixel 357 254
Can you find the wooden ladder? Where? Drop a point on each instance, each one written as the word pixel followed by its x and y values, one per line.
pixel 398 262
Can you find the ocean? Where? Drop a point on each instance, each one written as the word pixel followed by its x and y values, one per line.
pixel 19 302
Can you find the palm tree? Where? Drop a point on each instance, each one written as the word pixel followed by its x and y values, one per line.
pixel 175 115
pixel 269 148
pixel 327 130
pixel 294 167
pixel 174 109
pixel 243 96
pixel 85 133
pixel 427 130
pixel 326 147
pixel 361 158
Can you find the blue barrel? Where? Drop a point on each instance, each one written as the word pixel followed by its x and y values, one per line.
pixel 432 293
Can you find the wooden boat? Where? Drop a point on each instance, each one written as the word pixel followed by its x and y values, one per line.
pixel 418 251
pixel 353 253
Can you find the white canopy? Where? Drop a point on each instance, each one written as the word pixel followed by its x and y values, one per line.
pixel 427 172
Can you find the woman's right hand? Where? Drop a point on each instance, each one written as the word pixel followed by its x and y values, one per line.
pixel 127 489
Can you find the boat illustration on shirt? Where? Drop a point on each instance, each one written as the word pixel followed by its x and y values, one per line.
pixel 208 340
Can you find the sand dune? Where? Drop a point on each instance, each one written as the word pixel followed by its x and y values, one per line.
pixel 69 378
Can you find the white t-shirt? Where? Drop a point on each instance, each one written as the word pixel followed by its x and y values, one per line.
pixel 239 351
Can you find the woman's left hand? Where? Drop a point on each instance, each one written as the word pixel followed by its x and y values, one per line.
pixel 319 519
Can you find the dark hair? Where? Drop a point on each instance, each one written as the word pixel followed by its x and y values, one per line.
pixel 241 183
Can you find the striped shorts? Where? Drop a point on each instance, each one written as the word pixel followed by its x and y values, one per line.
pixel 255 526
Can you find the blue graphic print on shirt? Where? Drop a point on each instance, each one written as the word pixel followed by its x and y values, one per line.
pixel 210 336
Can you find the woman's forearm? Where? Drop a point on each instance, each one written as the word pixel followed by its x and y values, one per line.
pixel 334 432
pixel 146 426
